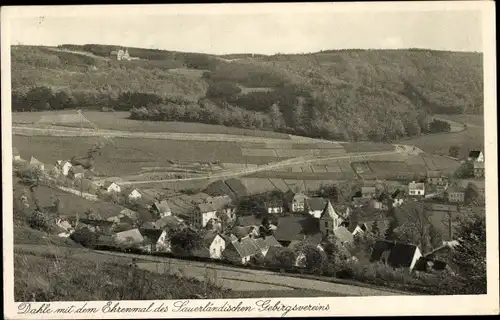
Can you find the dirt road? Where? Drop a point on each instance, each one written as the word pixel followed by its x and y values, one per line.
pixel 237 279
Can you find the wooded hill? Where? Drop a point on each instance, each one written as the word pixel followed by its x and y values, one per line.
pixel 344 94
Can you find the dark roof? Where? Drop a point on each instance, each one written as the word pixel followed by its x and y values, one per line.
pixel 396 193
pixel 151 235
pixel 399 255
pixel 205 207
pixel 316 203
pixel 474 154
pixel 170 222
pixel 96 222
pixel 329 211
pixel 274 251
pixel 241 232
pixel 267 242
pixel 383 196
pixel 237 187
pixel 219 202
pixel 295 228
pixel 290 195
pixel 245 247
pixel 249 220
pixel 343 235
pixel 161 206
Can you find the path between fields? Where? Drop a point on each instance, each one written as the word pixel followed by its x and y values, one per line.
pixel 267 167
pixel 229 277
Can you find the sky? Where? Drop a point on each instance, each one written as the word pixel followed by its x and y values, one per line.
pixel 264 32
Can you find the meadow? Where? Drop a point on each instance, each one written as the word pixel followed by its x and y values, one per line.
pixel 118 120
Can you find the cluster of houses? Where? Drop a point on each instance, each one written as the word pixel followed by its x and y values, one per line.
pixel 301 220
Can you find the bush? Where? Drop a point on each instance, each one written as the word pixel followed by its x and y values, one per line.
pixel 37 220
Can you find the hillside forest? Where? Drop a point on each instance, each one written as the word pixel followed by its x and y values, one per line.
pixel 377 95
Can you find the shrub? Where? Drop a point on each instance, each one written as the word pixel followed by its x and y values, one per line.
pixel 37 220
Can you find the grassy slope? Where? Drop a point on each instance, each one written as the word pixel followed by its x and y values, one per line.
pixel 351 82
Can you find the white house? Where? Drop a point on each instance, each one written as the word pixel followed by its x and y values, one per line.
pixel 274 207
pixel 396 255
pixel 215 244
pixel 111 186
pixel 134 195
pixel 204 212
pixel 155 240
pixel 64 166
pixel 295 201
pixel 416 188
pixel 476 156
pixel 329 220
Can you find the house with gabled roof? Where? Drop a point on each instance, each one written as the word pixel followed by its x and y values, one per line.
pixel 295 228
pixel 76 172
pixel 476 156
pixel 133 194
pixel 241 232
pixel 274 206
pixel 264 243
pixel 329 220
pixel 295 202
pixel 132 237
pixel 398 198
pixel 36 163
pixel 436 177
pixel 416 188
pixel 111 187
pixel 343 235
pixel 154 240
pixel 314 206
pixel 241 250
pixel 213 245
pixel 204 212
pixel 161 209
pixel 64 166
pixel 223 204
pixel 396 254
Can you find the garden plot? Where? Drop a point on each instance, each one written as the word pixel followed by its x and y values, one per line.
pixel 279 184
pixel 328 152
pixel 319 169
pixel 361 167
pixel 293 184
pixel 382 168
pixel 333 168
pixel 318 145
pixel 257 185
pixel 315 185
pixel 444 163
pixel 293 153
pixel 247 152
pixel 429 163
pixel 278 145
pixel 307 169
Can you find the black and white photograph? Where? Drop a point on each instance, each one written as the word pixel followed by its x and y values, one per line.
pixel 272 152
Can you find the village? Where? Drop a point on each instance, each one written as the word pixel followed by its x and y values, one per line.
pixel 224 227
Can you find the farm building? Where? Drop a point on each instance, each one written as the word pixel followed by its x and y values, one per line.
pixel 295 229
pixel 479 169
pixel 213 245
pixel 247 221
pixel 416 188
pixel 36 163
pixel 129 238
pixel 476 156
pixel 241 232
pixel 397 198
pixel 396 255
pixel 223 204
